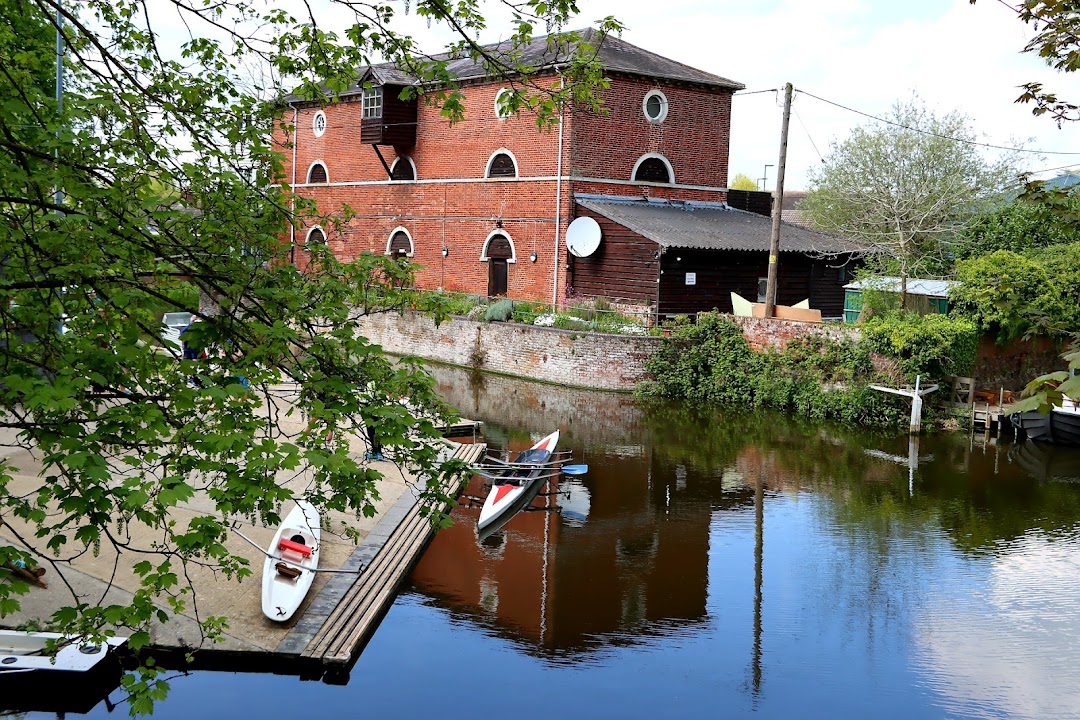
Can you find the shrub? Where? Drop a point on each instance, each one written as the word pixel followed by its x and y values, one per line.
pixel 500 311
pixel 933 346
pixel 711 362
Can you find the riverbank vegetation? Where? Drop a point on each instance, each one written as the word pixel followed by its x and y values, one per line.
pixel 815 376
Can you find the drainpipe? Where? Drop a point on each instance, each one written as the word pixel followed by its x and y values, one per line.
pixel 292 186
pixel 558 209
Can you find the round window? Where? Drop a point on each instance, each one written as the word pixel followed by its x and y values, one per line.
pixel 655 106
pixel 318 124
pixel 502 98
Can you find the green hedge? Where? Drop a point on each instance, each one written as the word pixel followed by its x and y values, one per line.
pixel 711 362
pixel 933 346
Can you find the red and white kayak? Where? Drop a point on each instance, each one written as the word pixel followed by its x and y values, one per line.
pixel 513 482
pixel 291 562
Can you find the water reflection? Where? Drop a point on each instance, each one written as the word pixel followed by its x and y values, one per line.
pixel 816 558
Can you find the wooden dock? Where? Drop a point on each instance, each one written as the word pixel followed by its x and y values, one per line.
pixel 339 622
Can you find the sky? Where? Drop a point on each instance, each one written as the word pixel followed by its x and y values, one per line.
pixel 862 54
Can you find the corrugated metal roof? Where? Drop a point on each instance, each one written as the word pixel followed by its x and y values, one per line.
pixel 915 286
pixel 614 54
pixel 710 226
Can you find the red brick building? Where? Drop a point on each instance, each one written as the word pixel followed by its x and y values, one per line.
pixel 482 206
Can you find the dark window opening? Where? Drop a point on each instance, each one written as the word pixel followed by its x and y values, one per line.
pixel 652 170
pixel 402 170
pixel 502 165
pixel 316 237
pixel 317 173
pixel 400 245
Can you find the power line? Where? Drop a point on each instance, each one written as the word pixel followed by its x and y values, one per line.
pixel 756 92
pixel 934 134
pixel 808 137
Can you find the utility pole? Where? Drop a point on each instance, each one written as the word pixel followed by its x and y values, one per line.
pixel 778 201
pixel 58 197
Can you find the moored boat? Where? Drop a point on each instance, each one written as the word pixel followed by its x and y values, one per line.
pixel 517 482
pixel 291 562
pixel 24 652
pixel 1060 426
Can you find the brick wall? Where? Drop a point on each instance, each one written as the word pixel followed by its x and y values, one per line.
pixel 563 357
pixel 452 204
pixel 1013 366
pixel 764 333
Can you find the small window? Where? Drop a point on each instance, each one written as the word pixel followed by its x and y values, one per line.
pixel 317 173
pixel 502 165
pixel 502 99
pixel 402 169
pixel 400 245
pixel 372 102
pixel 762 289
pixel 655 106
pixel 654 170
pixel 318 123
pixel 316 236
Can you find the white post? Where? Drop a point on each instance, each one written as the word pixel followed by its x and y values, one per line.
pixel 916 409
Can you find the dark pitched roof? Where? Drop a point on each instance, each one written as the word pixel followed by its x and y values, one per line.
pixel 614 54
pixel 709 226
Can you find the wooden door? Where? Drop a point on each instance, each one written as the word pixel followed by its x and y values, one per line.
pixel 497 283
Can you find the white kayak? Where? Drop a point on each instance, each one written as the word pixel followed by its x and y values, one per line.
pixel 291 561
pixel 520 474
pixel 22 652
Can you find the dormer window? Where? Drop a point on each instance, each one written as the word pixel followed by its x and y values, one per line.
pixel 372 102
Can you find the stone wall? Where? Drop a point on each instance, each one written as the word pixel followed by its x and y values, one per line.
pixel 565 357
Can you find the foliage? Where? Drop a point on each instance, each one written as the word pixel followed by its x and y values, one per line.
pixel 1002 292
pixel 743 182
pixel 933 346
pixel 901 188
pixel 500 311
pixel 93 234
pixel 1057 26
pixel 711 362
pixel 1019 226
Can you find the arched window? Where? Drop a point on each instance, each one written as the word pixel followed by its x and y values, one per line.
pixel 316 236
pixel 400 244
pixel 403 169
pixel 317 173
pixel 654 169
pixel 502 164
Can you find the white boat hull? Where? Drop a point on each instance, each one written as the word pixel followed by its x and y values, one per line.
pixel 287 573
pixel 22 652
pixel 505 494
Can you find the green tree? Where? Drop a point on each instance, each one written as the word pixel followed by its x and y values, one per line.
pixel 903 186
pixel 1018 226
pixel 125 428
pixel 743 182
pixel 1057 41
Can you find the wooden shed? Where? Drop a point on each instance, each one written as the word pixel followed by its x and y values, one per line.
pixel 925 296
pixel 682 258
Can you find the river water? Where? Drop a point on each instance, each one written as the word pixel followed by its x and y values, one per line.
pixel 723 564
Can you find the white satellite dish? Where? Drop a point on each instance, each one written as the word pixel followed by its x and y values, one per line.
pixel 583 237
